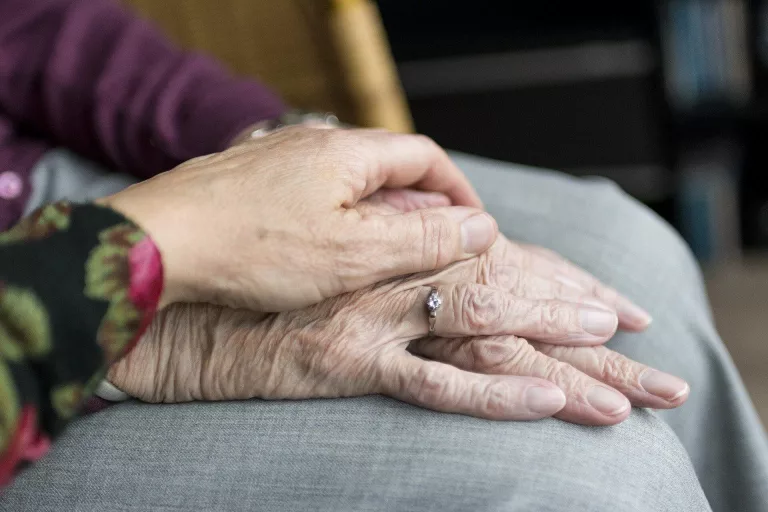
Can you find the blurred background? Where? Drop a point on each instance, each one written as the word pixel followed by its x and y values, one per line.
pixel 668 98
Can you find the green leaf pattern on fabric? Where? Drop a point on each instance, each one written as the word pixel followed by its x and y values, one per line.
pixel 92 383
pixel 66 399
pixel 108 278
pixel 11 406
pixel 24 324
pixel 51 358
pixel 40 224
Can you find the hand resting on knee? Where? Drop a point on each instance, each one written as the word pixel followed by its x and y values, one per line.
pixel 519 336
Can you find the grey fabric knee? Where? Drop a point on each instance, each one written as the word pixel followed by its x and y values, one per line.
pixel 596 225
pixel 363 454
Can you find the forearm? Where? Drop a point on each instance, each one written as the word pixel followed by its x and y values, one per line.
pixel 78 286
pixel 93 77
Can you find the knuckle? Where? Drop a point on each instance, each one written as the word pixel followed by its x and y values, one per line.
pixel 617 368
pixel 554 371
pixel 506 277
pixel 501 354
pixel 440 241
pixel 428 385
pixel 566 377
pixel 498 398
pixel 487 270
pixel 479 311
pixel 557 318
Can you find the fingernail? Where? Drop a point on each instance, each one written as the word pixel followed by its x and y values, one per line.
pixel 634 314
pixel 598 322
pixel 544 400
pixel 663 385
pixel 478 233
pixel 607 401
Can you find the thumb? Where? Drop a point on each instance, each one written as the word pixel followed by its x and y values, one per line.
pixel 429 239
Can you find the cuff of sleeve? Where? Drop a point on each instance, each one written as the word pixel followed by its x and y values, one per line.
pixel 109 392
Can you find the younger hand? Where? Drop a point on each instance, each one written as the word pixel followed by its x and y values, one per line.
pixel 272 224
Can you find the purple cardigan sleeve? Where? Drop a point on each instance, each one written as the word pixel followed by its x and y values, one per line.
pixel 91 76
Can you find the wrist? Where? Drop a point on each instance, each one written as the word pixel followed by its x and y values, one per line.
pixel 173 284
pixel 290 118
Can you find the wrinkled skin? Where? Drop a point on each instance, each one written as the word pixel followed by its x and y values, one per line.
pixel 272 224
pixel 373 341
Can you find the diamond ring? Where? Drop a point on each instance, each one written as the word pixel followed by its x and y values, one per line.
pixel 433 304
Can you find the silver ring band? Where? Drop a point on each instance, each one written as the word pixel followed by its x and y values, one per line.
pixel 433 303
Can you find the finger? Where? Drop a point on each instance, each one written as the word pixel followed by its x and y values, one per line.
pixel 588 401
pixel 443 388
pixel 426 240
pixel 549 264
pixel 401 200
pixel 644 386
pixel 528 285
pixel 415 161
pixel 477 310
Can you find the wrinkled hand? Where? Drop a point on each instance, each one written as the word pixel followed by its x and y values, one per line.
pixel 355 344
pixel 524 270
pixel 596 381
pixel 271 224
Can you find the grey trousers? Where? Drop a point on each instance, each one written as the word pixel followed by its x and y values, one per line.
pixel 374 453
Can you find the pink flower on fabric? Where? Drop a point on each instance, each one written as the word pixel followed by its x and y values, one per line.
pixel 146 281
pixel 27 445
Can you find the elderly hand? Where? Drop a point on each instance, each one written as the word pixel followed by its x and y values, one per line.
pixel 356 343
pixel 596 381
pixel 272 224
pixel 524 270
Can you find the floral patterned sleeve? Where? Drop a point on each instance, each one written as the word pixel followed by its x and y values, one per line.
pixel 78 286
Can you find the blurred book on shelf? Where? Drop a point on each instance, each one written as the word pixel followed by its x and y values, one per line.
pixel 709 199
pixel 705 48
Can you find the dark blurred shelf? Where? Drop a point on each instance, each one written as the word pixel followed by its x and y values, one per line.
pixel 421 30
pixel 715 113
pixel 592 86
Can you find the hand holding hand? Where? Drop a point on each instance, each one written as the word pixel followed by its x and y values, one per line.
pixel 355 344
pixel 272 224
pixel 523 270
